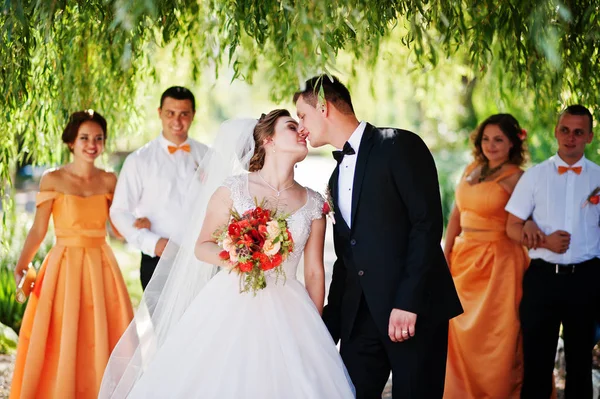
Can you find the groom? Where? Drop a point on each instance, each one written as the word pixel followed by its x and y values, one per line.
pixel 392 294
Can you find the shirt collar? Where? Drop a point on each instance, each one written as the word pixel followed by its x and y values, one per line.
pixel 559 162
pixel 164 143
pixel 356 136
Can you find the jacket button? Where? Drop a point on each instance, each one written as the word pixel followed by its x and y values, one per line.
pixel 353 242
pixel 360 272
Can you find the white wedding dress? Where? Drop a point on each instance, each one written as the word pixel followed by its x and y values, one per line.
pixel 236 345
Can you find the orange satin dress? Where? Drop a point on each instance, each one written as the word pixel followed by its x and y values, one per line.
pixel 79 307
pixel 484 343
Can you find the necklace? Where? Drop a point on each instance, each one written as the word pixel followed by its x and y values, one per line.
pixel 273 188
pixel 486 171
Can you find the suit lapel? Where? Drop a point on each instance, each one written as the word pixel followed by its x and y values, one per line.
pixel 366 144
pixel 340 223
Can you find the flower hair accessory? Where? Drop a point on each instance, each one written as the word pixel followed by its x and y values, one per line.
pixel 522 135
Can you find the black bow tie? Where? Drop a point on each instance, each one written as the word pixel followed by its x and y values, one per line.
pixel 347 150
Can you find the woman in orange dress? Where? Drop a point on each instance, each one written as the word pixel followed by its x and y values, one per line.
pixel 79 306
pixel 484 344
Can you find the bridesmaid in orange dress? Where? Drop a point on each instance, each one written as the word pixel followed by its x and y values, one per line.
pixel 484 343
pixel 79 306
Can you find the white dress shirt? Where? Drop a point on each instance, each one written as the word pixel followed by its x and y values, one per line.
pixel 346 175
pixel 153 184
pixel 557 203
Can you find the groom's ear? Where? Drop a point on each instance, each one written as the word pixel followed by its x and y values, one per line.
pixel 322 108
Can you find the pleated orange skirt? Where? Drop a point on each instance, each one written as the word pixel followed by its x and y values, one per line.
pixel 76 314
pixel 484 343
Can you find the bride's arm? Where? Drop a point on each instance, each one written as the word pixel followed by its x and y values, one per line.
pixel 217 215
pixel 314 269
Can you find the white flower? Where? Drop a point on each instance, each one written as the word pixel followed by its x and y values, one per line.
pixel 228 244
pixel 273 229
pixel 233 255
pixel 271 249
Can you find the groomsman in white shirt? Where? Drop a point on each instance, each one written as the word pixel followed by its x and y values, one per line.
pixel 154 179
pixel 561 285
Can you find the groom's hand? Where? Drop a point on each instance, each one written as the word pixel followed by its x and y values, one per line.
pixel 402 325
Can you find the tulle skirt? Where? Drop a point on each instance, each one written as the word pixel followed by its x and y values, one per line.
pixel 235 345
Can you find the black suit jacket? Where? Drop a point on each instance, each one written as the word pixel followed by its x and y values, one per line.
pixel 392 254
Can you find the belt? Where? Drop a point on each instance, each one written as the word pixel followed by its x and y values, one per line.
pixel 558 268
pixel 564 269
pixel 90 238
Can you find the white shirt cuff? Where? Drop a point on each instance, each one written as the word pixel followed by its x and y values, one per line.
pixel 149 240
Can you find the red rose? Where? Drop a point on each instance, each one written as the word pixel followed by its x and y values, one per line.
pixel 262 229
pixel 276 260
pixel 326 208
pixel 246 266
pixel 258 238
pixel 289 235
pixel 234 230
pixel 224 255
pixel 247 241
pixel 243 224
pixel 594 199
pixel 267 265
pixel 261 258
pixel 258 212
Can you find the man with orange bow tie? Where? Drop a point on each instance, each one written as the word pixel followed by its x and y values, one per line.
pixel 563 234
pixel 153 182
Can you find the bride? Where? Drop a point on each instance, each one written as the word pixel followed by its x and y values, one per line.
pixel 195 335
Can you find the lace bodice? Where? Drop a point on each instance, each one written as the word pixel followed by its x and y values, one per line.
pixel 299 223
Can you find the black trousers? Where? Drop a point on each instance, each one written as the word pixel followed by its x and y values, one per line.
pixel 569 297
pixel 147 266
pixel 418 365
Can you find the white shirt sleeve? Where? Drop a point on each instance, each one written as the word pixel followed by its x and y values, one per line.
pixel 521 202
pixel 127 194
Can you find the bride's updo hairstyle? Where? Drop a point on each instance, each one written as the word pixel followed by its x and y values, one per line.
pixel 265 129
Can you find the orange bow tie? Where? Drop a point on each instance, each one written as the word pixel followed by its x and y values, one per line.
pixel 184 147
pixel 565 169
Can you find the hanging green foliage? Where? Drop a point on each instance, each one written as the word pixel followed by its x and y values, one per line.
pixel 60 56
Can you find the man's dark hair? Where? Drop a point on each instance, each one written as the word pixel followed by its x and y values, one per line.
pixel 579 110
pixel 178 93
pixel 335 93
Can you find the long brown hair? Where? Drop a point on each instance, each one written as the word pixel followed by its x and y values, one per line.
pixel 265 128
pixel 511 128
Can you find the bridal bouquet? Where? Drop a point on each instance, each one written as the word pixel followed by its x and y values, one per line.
pixel 253 243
